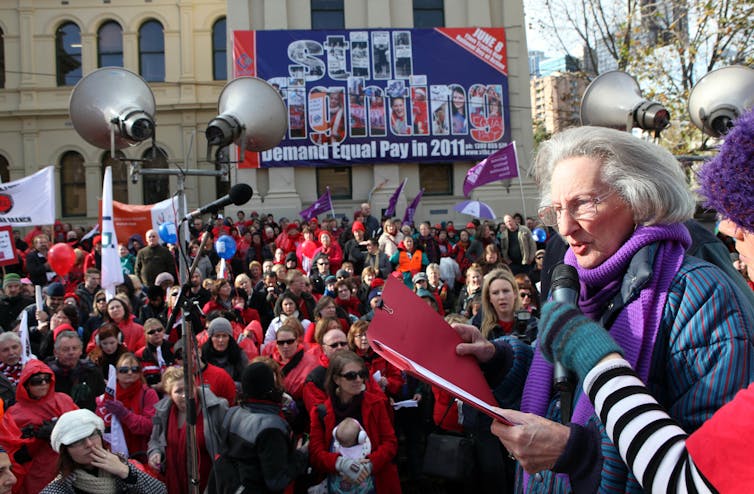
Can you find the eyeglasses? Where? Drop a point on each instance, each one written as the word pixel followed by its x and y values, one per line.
pixel 352 375
pixel 81 442
pixel 126 369
pixel 40 380
pixel 584 208
pixel 286 342
pixel 337 344
pixel 323 264
pixel 539 258
pixel 524 294
pixel 153 331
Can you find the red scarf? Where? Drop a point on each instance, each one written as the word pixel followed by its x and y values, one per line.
pixel 176 474
pixel 131 397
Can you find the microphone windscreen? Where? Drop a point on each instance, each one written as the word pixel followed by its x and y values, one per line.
pixel 240 194
pixel 564 276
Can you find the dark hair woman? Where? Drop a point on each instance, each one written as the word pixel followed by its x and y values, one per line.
pixel 108 347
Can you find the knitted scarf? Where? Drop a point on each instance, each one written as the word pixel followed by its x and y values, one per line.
pixel 635 328
pixel 12 372
pixel 100 484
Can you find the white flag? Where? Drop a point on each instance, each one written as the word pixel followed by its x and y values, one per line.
pixel 116 439
pixel 112 273
pixel 29 200
pixel 26 354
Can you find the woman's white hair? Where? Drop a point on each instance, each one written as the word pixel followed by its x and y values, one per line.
pixel 645 175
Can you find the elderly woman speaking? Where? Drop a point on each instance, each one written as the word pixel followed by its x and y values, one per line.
pixel 620 202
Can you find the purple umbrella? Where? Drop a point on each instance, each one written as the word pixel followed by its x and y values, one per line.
pixel 477 209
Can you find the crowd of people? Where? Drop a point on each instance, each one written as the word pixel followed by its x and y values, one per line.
pixel 292 398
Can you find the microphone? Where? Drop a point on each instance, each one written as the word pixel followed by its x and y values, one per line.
pixel 239 194
pixel 565 289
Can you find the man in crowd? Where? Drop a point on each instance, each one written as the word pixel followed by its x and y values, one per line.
pixel 78 378
pixel 354 249
pixel 86 291
pixel 427 243
pixel 377 259
pixel 319 273
pixel 37 266
pixel 12 302
pixel 38 319
pixel 371 223
pixel 305 302
pixel 517 245
pixel 10 366
pixel 153 259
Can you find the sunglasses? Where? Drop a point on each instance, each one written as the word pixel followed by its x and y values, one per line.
pixel 525 294
pixel 323 264
pixel 40 380
pixel 126 369
pixel 153 331
pixel 100 300
pixel 351 376
pixel 286 342
pixel 337 344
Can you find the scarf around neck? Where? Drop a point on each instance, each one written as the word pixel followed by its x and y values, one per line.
pixel 635 328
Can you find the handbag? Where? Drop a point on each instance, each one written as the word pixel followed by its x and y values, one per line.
pixel 449 455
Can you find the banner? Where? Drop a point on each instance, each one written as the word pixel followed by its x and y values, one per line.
pixel 381 95
pixel 30 200
pixel 390 210
pixel 112 273
pixel 130 219
pixel 116 437
pixel 408 216
pixel 500 165
pixel 321 205
pixel 7 246
pixel 23 333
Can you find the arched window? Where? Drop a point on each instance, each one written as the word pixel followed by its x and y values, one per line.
pixel 72 184
pixel 156 188
pixel 429 13
pixel 110 45
pixel 68 54
pixel 4 170
pixel 219 50
pixel 2 59
pixel 120 175
pixel 152 51
pixel 328 14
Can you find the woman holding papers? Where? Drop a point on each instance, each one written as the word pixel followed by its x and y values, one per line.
pixel 348 396
pixel 619 202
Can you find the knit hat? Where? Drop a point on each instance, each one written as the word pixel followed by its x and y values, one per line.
pixel 164 277
pixel 330 279
pixel 258 382
pixel 73 426
pixel 11 278
pixel 342 273
pixel 419 277
pixel 376 292
pixel 219 325
pixel 358 225
pixel 60 329
pixel 470 225
pixel 55 289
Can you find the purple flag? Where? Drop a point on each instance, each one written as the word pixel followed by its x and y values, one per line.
pixel 390 211
pixel 408 217
pixel 321 205
pixel 500 165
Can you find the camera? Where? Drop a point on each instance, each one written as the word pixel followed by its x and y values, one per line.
pixel 521 324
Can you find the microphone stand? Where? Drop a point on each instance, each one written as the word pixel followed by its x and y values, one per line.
pixel 188 338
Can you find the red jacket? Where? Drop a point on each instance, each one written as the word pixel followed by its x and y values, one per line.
pixel 220 383
pixel 379 428
pixel 295 375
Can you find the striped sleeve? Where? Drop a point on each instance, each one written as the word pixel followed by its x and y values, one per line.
pixel 651 443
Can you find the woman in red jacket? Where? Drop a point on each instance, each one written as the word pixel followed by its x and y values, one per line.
pixel 119 313
pixel 295 362
pixel 331 249
pixel 133 405
pixel 37 407
pixel 390 380
pixel 348 397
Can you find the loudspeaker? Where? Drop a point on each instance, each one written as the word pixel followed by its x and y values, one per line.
pixel 252 115
pixel 112 108
pixel 614 100
pixel 720 97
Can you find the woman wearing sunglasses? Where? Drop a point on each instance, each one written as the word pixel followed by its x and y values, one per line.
pixel 156 355
pixel 348 396
pixel 133 405
pixel 294 361
pixel 37 407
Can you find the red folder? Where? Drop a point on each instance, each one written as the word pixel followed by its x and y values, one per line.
pixel 409 334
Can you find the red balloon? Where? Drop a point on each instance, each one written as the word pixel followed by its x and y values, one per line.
pixel 61 258
pixel 308 248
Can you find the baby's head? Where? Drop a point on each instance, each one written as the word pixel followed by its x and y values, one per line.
pixel 347 432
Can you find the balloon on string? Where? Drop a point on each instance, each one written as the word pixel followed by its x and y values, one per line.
pixel 61 258
pixel 308 248
pixel 225 246
pixel 168 233
pixel 539 235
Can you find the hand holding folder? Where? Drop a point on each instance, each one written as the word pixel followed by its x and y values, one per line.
pixel 416 339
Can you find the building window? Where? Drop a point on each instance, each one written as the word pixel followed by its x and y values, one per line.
pixel 4 170
pixel 436 179
pixel 328 14
pixel 2 59
pixel 120 175
pixel 72 184
pixel 68 54
pixel 152 51
pixel 110 45
pixel 156 188
pixel 219 51
pixel 429 13
pixel 338 179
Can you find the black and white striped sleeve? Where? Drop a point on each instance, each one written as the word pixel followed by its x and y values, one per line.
pixel 647 438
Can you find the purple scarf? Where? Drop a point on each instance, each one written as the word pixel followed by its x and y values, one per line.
pixel 635 328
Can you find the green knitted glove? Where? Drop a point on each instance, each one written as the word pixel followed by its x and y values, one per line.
pixel 571 338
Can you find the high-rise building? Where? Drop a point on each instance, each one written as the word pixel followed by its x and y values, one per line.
pixel 556 100
pixel 563 63
pixel 535 59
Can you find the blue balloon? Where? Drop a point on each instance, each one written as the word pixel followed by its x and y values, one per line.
pixel 225 246
pixel 168 233
pixel 539 235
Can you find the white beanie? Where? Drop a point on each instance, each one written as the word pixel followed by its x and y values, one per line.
pixel 73 426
